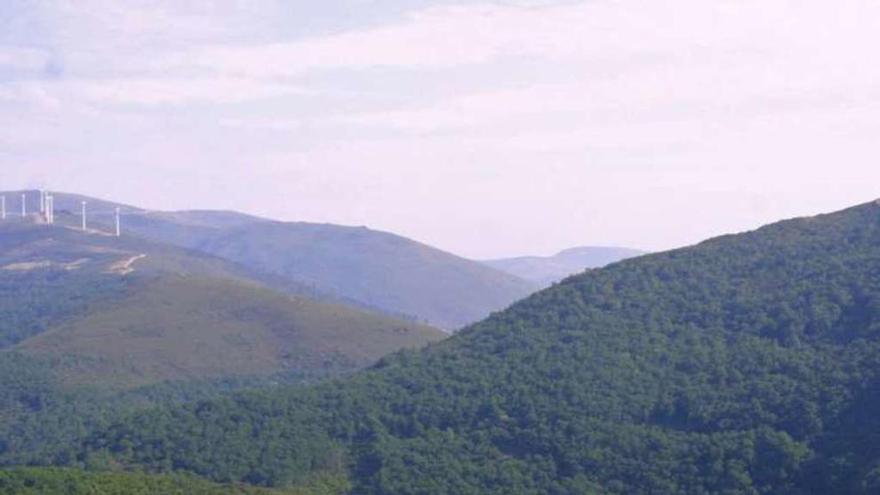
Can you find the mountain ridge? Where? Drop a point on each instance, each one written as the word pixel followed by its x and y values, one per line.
pixel 356 265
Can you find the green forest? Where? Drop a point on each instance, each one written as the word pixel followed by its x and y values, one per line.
pixel 50 481
pixel 748 364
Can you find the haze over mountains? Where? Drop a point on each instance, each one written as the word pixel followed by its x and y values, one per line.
pixel 747 364
pixel 545 270
pixel 355 265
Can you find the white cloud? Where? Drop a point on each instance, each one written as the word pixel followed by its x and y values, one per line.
pixel 263 124
pixel 23 59
pixel 142 92
pixel 93 24
pixel 637 63
pixel 439 37
pixel 179 91
pixel 595 31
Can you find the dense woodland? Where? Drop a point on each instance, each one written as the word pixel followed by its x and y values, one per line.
pixel 48 481
pixel 748 364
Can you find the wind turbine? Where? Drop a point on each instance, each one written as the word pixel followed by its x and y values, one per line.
pixel 50 209
pixel 84 225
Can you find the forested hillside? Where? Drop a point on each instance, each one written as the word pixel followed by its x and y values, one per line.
pixel 748 364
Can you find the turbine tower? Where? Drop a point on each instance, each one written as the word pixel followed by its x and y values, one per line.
pixel 23 205
pixel 50 209
pixel 42 201
pixel 2 207
pixel 118 232
pixel 84 225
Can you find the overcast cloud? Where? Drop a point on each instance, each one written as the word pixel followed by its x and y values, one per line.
pixel 487 129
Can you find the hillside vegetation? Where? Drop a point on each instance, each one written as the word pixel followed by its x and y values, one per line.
pixel 129 312
pixel 42 481
pixel 176 328
pixel 749 364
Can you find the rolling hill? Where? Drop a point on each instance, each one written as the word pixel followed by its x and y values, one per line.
pixel 353 265
pixel 545 270
pixel 376 268
pixel 188 328
pixel 748 364
pixel 127 312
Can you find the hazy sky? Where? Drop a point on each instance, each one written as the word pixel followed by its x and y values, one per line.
pixel 486 129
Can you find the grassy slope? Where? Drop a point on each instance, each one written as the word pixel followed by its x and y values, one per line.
pixel 46 275
pixel 49 274
pixel 748 364
pixel 177 315
pixel 177 327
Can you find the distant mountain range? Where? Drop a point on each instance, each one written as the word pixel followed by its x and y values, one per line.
pixel 545 270
pixel 354 265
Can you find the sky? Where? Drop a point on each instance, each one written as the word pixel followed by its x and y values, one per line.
pixel 488 129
